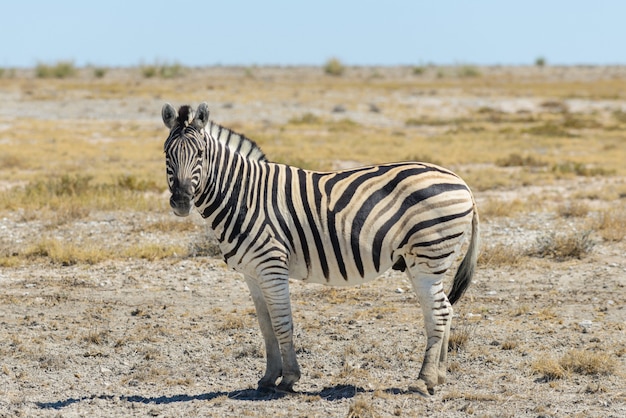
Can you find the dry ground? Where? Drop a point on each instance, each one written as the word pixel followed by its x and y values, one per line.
pixel 115 308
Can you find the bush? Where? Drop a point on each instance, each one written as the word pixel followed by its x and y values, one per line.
pixel 516 160
pixel 162 70
pixel 563 246
pixel 334 67
pixel 99 72
pixel 62 69
pixel 468 71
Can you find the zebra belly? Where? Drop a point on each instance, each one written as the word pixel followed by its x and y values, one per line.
pixel 331 273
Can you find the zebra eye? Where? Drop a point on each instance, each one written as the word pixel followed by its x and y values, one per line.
pixel 199 153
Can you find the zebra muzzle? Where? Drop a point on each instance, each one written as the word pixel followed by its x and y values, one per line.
pixel 180 205
pixel 182 195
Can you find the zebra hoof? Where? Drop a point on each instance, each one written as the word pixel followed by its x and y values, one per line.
pixel 284 387
pixel 420 388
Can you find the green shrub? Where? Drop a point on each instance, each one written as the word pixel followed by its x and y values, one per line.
pixel 468 71
pixel 517 160
pixel 62 69
pixel 580 169
pixel 306 119
pixel 133 183
pixel 162 70
pixel 99 72
pixel 334 67
pixel 549 129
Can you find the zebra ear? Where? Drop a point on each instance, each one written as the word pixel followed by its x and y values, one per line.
pixel 169 115
pixel 202 116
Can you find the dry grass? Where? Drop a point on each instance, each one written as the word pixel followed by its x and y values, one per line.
pixel 498 255
pixel 549 368
pixel 563 245
pixel 589 362
pixel 460 337
pixel 362 409
pixel 573 209
pixel 66 253
pixel 582 362
pixel 152 252
pixel 612 224
pixel 500 208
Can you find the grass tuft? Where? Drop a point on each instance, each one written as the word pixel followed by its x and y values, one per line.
pixel 361 409
pixel 499 255
pixel 66 254
pixel 587 362
pixel 573 209
pixel 153 252
pixel 582 362
pixel 549 368
pixel 460 337
pixel 562 246
pixel 612 224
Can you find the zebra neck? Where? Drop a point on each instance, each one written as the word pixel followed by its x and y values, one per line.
pixel 223 201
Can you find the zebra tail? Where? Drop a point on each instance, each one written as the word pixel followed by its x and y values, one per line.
pixel 463 276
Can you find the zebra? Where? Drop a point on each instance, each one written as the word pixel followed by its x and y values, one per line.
pixel 275 222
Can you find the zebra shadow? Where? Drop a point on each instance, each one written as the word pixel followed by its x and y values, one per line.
pixel 330 394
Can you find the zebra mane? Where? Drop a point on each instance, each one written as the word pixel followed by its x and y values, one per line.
pixel 236 142
pixel 185 114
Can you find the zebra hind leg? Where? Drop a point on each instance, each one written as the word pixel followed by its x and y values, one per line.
pixel 437 312
pixel 274 364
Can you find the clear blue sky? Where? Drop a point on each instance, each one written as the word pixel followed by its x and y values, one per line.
pixel 268 32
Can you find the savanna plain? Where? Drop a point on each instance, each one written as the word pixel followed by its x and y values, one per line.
pixel 112 306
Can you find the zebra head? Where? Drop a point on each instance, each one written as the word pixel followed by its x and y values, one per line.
pixel 185 153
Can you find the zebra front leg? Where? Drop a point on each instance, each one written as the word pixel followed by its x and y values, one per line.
pixel 437 312
pixel 274 362
pixel 275 290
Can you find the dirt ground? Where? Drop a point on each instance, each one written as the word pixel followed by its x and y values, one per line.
pixel 178 337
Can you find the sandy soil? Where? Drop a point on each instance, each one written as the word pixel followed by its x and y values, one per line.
pixel 178 337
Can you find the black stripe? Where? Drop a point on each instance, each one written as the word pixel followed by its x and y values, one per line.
pixel 317 192
pixel 312 225
pixel 434 257
pixel 282 224
pixel 295 218
pixel 334 239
